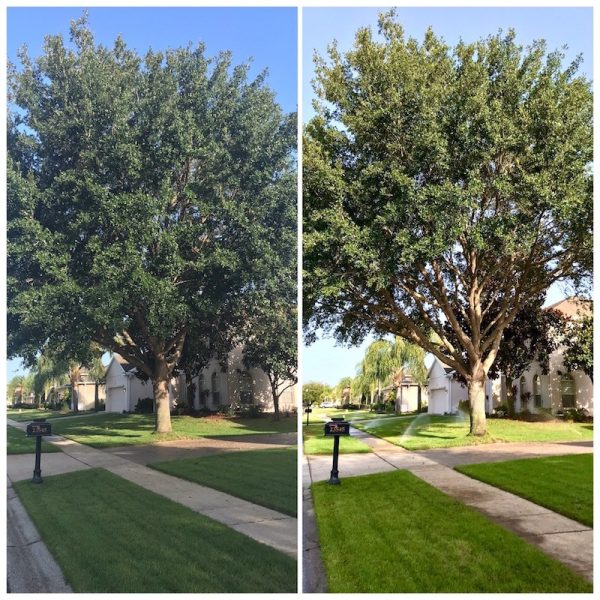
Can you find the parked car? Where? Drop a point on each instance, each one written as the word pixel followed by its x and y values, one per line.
pixel 327 404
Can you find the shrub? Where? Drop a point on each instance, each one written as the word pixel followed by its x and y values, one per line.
pixel 101 405
pixel 464 406
pixel 501 411
pixel 144 406
pixel 576 415
pixel 350 406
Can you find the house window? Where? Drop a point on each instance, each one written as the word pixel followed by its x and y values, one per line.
pixel 523 392
pixel 201 394
pixel 567 391
pixel 246 395
pixel 537 391
pixel 214 388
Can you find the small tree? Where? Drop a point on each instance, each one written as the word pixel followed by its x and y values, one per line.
pixel 443 189
pixel 314 392
pixel 578 341
pixel 533 336
pixel 273 346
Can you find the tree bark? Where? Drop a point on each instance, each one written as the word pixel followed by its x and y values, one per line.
pixel 74 396
pixel 477 402
pixel 96 397
pixel 419 405
pixel 160 386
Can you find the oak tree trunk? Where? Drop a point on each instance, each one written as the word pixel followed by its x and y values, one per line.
pixel 477 402
pixel 160 386
pixel 74 396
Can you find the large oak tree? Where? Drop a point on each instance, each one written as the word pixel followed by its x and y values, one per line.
pixel 443 188
pixel 139 198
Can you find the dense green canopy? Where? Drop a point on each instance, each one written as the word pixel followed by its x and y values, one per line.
pixel 443 188
pixel 140 197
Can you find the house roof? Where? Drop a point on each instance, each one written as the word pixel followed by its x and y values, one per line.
pixel 123 363
pixel 448 370
pixel 572 306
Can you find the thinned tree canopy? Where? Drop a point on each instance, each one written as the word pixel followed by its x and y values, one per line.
pixel 140 194
pixel 443 187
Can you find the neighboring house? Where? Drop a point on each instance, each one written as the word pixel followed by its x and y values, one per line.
pixel 559 388
pixel 86 391
pixel 407 395
pixel 556 390
pixel 217 385
pixel 233 383
pixel 445 391
pixel 124 389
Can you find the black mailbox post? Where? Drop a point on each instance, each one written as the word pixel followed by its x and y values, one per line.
pixel 336 427
pixel 307 410
pixel 39 428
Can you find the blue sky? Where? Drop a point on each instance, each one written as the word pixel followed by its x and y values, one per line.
pixel 324 361
pixel 267 35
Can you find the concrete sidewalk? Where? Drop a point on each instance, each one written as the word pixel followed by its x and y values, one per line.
pixel 262 524
pixel 565 540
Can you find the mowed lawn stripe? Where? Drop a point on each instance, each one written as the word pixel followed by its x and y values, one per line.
pixel 107 430
pixel 109 535
pixel 425 431
pixel 394 533
pixel 315 442
pixel 17 442
pixel 265 477
pixel 563 484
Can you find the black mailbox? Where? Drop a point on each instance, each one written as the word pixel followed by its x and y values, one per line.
pixel 337 428
pixel 39 428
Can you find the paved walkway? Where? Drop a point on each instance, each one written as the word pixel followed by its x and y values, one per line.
pixel 262 524
pixel 565 540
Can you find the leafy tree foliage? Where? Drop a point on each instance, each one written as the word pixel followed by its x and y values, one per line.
pixel 315 392
pixel 443 189
pixel 140 191
pixel 389 363
pixel 578 340
pixel 533 336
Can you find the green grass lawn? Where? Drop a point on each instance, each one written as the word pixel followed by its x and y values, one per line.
pixel 17 442
pixel 28 414
pixel 563 484
pixel 425 431
pixel 106 430
pixel 394 533
pixel 324 414
pixel 315 442
pixel 265 477
pixel 109 535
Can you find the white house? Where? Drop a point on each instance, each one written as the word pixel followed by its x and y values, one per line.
pixel 124 389
pixel 559 388
pixel 217 385
pixel 556 390
pixel 233 382
pixel 407 395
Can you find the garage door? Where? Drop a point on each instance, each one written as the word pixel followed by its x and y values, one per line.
pixel 116 400
pixel 438 404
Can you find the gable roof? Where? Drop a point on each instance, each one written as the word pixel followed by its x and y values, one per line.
pixel 124 364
